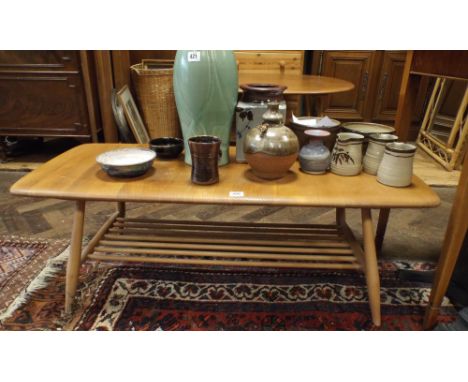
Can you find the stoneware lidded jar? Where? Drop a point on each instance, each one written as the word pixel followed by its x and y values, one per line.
pixel 396 168
pixel 271 148
pixel 375 151
pixel 315 156
pixel 251 107
pixel 347 154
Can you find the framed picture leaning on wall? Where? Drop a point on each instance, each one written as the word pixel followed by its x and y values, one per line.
pixel 133 116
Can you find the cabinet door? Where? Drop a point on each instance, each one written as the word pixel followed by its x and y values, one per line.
pixel 42 105
pixel 389 83
pixel 356 67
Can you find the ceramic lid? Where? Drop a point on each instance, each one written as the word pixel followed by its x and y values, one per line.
pixel 273 115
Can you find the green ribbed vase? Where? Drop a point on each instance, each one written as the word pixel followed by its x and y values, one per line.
pixel 205 89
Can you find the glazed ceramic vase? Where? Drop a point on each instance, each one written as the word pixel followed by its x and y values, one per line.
pixel 271 148
pixel 347 154
pixel 251 107
pixel 205 153
pixel 205 89
pixel 315 156
pixel 375 151
pixel 300 124
pixel 396 168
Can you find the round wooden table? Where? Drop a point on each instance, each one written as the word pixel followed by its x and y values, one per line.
pixel 300 84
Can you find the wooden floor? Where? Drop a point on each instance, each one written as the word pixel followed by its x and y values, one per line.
pixel 433 173
pixel 412 234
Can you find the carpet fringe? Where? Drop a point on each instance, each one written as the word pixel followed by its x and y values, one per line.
pixel 40 281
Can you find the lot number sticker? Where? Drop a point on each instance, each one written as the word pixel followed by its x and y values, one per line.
pixel 193 56
pixel 236 194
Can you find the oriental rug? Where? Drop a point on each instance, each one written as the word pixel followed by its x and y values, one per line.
pixel 122 297
pixel 21 260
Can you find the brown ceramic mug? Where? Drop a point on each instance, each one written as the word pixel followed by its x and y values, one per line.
pixel 205 152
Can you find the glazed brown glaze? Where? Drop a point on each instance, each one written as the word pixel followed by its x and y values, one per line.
pixel 205 153
pixel 256 92
pixel 270 167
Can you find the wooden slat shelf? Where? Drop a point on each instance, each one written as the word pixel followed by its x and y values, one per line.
pixel 224 244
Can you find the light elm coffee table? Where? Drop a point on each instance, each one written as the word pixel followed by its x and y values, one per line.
pixel 75 175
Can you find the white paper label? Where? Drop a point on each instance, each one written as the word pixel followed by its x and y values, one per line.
pixel 236 194
pixel 193 56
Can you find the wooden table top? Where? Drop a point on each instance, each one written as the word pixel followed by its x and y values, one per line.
pixel 298 83
pixel 76 175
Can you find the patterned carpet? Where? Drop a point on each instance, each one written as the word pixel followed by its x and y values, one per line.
pixel 20 261
pixel 118 297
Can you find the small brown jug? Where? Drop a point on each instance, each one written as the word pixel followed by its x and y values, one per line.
pixel 205 153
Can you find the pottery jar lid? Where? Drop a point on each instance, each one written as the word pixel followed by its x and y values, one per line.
pixel 400 147
pixel 384 138
pixel 273 115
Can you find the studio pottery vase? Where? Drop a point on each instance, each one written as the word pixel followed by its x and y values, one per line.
pixel 205 89
pixel 347 154
pixel 271 148
pixel 315 156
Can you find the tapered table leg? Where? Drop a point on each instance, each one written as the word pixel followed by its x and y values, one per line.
pixel 340 217
pixel 73 266
pixel 381 228
pixel 121 209
pixel 372 270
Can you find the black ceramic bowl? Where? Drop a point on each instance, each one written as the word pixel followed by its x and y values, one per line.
pixel 167 147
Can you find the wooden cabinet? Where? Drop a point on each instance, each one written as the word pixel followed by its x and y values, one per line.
pixel 286 61
pixel 355 67
pixel 388 85
pixel 376 76
pixel 47 94
pixel 40 60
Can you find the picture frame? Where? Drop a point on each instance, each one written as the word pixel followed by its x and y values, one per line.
pixel 132 115
pixel 125 134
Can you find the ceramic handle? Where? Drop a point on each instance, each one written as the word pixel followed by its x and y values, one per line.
pixel 282 64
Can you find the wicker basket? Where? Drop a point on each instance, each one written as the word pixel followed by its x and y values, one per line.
pixel 155 96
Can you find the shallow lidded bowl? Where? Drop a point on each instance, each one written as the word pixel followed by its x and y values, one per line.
pixel 126 162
